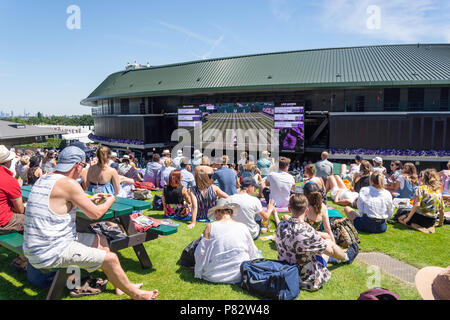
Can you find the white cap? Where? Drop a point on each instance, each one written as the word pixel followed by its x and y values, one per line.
pixel 378 160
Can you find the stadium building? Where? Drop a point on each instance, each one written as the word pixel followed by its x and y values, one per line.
pixel 392 100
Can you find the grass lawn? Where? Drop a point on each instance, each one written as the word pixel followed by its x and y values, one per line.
pixel 176 283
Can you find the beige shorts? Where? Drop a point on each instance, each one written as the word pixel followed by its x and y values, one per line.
pixel 80 253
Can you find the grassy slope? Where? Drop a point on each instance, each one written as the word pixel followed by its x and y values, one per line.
pixel 176 283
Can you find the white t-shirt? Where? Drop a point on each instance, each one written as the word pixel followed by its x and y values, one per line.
pixel 280 187
pixel 250 207
pixel 375 203
pixel 353 170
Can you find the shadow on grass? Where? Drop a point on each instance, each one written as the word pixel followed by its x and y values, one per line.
pixel 133 265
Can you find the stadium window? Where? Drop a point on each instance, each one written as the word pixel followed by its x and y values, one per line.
pixel 142 106
pixel 391 99
pixel 124 106
pixel 111 106
pixel 360 103
pixel 416 98
pixel 443 103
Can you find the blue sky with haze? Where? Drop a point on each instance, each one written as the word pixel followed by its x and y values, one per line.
pixel 47 67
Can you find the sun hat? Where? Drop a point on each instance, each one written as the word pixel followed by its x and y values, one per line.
pixel 5 154
pixel 166 152
pixel 125 156
pixel 222 204
pixel 433 283
pixel 197 154
pixel 68 158
pixel 113 154
pixel 378 160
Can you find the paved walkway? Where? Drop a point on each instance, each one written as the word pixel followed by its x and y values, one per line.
pixel 389 265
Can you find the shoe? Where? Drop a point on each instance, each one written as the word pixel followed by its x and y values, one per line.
pixel 352 252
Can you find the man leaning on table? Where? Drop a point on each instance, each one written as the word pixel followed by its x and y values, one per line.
pixel 50 237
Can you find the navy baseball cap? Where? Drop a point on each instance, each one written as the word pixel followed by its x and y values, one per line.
pixel 247 182
pixel 68 158
pixel 358 157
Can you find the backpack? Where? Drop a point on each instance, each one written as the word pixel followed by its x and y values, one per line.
pixel 344 232
pixel 144 185
pixel 187 258
pixel 378 294
pixel 157 203
pixel 142 194
pixel 270 279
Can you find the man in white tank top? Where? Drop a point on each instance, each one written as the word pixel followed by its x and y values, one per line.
pixel 50 237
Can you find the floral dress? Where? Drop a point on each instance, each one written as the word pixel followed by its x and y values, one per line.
pixel 298 243
pixel 431 202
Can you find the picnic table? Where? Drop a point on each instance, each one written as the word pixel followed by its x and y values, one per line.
pixel 120 213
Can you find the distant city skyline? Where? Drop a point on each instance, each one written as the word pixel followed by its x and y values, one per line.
pixel 54 54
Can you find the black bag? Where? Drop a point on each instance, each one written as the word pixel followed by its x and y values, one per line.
pixel 157 204
pixel 400 212
pixel 187 258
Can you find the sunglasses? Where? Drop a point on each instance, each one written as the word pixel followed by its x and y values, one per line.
pixel 83 164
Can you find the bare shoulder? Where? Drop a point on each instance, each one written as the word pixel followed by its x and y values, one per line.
pixel 207 231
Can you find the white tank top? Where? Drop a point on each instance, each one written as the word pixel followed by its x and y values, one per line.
pixel 46 234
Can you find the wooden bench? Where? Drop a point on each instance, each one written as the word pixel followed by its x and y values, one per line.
pixel 14 242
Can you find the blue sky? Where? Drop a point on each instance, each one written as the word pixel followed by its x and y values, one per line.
pixel 47 67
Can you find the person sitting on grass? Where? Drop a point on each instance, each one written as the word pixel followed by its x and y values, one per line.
pixel 406 183
pixel 339 192
pixel 378 165
pixel 298 243
pixel 310 177
pixel 278 185
pixel 11 205
pixel 203 194
pixel 428 204
pixel 374 205
pixel 101 178
pixel 50 236
pixel 175 198
pixel 445 177
pixel 363 178
pixel 224 245
pixel 226 177
pixel 251 212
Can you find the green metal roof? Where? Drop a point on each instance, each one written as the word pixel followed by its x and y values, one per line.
pixel 388 65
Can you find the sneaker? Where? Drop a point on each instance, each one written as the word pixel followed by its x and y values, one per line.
pixel 352 252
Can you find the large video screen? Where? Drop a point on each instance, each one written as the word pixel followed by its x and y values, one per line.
pixel 290 121
pixel 232 119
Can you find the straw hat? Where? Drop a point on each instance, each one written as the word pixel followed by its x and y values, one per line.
pixel 433 283
pixel 5 154
pixel 223 204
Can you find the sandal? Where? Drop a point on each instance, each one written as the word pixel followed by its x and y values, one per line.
pixel 89 288
pixel 20 264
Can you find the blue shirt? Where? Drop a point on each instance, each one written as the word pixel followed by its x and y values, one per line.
pixel 153 172
pixel 226 178
pixel 187 179
pixel 165 172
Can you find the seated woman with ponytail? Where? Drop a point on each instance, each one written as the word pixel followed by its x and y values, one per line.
pixel 101 178
pixel 374 204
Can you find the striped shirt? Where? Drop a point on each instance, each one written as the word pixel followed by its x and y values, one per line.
pixel 46 234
